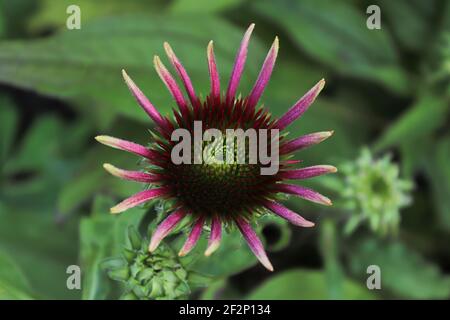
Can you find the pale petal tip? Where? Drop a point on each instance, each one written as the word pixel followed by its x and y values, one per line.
pixel 116 209
pixel 103 139
pixel 168 50
pixel 276 43
pixel 332 169
pixel 157 61
pixel 212 248
pixel 251 27
pixel 109 167
pixel 320 85
pixel 266 263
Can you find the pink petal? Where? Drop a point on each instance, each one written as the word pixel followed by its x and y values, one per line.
pixel 304 193
pixel 307 172
pixel 125 145
pixel 254 243
pixel 239 64
pixel 305 141
pixel 130 175
pixel 213 73
pixel 214 237
pixel 287 214
pixel 171 84
pixel 182 74
pixel 264 75
pixel 165 228
pixel 143 101
pixel 300 106
pixel 193 237
pixel 137 199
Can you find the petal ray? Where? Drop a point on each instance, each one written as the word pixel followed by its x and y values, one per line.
pixel 264 75
pixel 130 175
pixel 138 198
pixel 307 172
pixel 125 145
pixel 287 214
pixel 143 101
pixel 305 141
pixel 215 236
pixel 171 84
pixel 254 242
pixel 165 228
pixel 305 193
pixel 300 106
pixel 193 237
pixel 182 74
pixel 239 63
pixel 213 73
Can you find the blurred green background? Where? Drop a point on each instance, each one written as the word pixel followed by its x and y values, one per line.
pixel 387 89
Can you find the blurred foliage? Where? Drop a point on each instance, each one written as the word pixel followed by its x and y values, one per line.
pixel 388 89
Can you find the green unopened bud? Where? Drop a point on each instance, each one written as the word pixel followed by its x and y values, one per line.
pixel 374 193
pixel 134 237
pixel 156 275
pixel 121 274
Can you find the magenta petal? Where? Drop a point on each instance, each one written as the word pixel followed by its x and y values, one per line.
pixel 130 175
pixel 300 106
pixel 239 64
pixel 264 75
pixel 193 237
pixel 287 214
pixel 307 172
pixel 171 84
pixel 305 193
pixel 213 73
pixel 126 146
pixel 182 74
pixel 164 228
pixel 143 101
pixel 215 236
pixel 304 141
pixel 254 243
pixel 137 199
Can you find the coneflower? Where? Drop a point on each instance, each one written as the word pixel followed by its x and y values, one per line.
pixel 226 193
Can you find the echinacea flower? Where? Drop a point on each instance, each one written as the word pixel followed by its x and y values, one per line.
pixel 218 194
pixel 374 193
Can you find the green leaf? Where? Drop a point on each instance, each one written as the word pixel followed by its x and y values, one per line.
pixel 404 272
pixel 83 66
pixel 13 283
pixel 335 34
pixel 421 119
pixel 302 284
